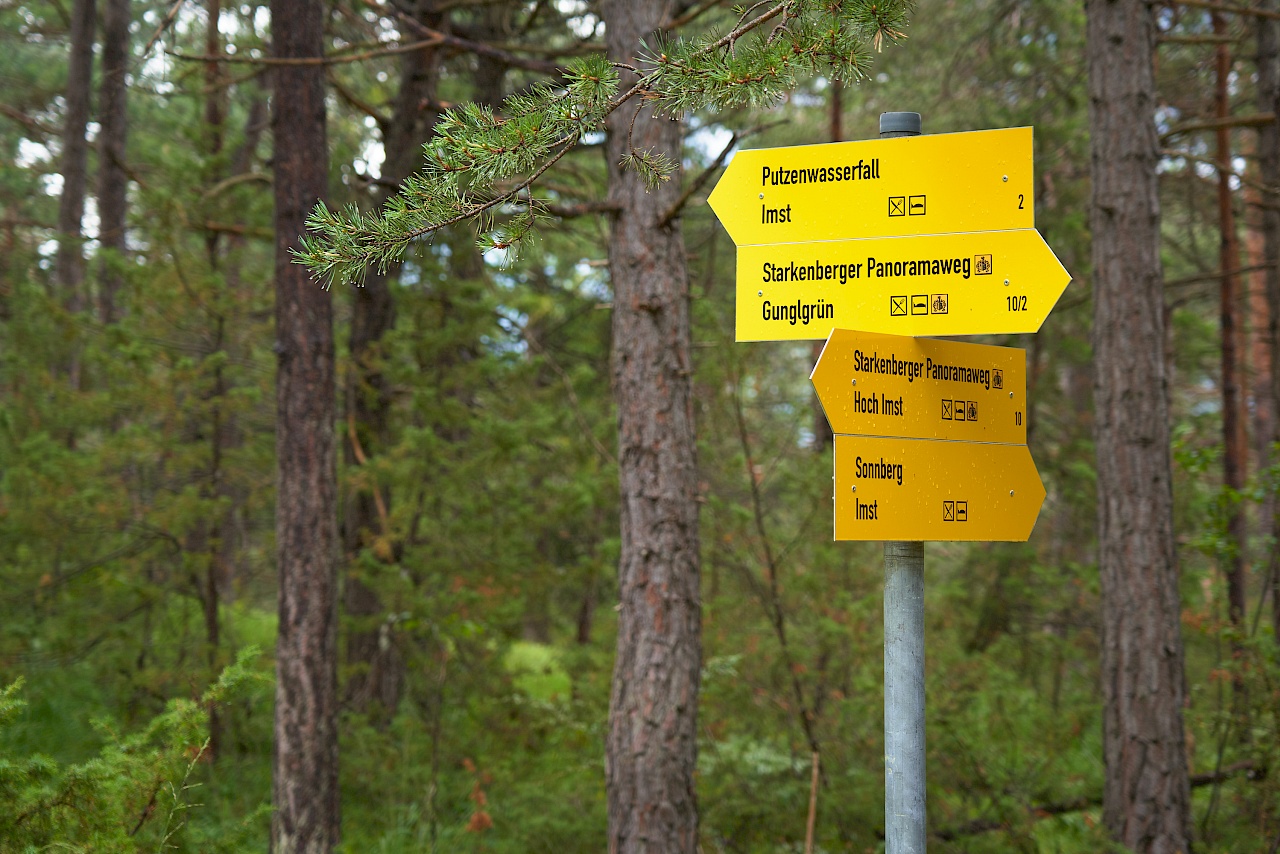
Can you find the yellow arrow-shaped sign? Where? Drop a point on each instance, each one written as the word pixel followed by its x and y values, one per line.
pixel 911 489
pixel 935 184
pixel 988 282
pixel 922 388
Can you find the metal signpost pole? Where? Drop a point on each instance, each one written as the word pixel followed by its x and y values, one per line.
pixel 904 793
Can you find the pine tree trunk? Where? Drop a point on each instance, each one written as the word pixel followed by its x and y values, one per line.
pixel 214 110
pixel 652 742
pixel 1269 176
pixel 113 183
pixel 305 786
pixel 1146 798
pixel 1233 433
pixel 69 262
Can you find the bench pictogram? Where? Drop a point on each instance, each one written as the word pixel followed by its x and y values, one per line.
pixel 915 206
pixel 962 511
pixel 919 303
pixel 960 410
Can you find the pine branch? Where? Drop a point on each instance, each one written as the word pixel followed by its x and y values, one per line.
pixel 481 161
pixel 388 49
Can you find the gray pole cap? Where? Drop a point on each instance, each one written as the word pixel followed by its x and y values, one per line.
pixel 899 124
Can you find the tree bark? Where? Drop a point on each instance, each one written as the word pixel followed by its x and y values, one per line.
pixel 69 261
pixel 305 762
pixel 1269 175
pixel 113 182
pixel 1146 803
pixel 652 741
pixel 1233 433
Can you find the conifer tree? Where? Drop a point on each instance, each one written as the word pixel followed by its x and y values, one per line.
pixel 1146 801
pixel 305 785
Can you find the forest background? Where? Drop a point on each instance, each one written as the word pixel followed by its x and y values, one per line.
pixel 137 455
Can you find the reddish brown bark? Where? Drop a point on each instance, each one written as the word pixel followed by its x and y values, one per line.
pixel 1233 434
pixel 305 762
pixel 1269 173
pixel 652 742
pixel 1146 802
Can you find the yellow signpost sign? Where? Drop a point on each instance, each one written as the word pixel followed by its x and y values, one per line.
pixel 936 184
pixel 913 489
pixel 987 282
pixel 922 388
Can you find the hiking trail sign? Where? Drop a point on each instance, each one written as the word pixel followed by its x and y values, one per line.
pixel 936 184
pixel 923 235
pixel 922 388
pixel 914 489
pixel 978 283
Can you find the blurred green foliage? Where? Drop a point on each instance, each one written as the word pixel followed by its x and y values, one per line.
pixel 121 498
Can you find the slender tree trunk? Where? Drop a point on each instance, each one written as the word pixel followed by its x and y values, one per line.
pixel 1269 173
pixel 1257 367
pixel 69 262
pixel 214 111
pixel 113 183
pixel 1146 797
pixel 652 742
pixel 1233 457
pixel 378 675
pixel 305 763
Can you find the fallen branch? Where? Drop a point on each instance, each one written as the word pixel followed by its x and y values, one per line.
pixel 1248 768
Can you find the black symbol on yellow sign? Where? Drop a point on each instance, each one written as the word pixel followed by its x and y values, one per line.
pixel 919 303
pixel 916 206
pixel 971 414
pixel 939 303
pixel 946 410
pixel 948 511
pixel 997 378
pixel 897 206
pixel 898 306
pixel 960 410
pixel 982 265
pixel 962 511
